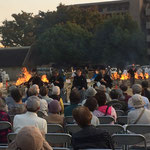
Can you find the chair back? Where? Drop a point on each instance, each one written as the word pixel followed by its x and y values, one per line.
pixel 53 128
pixel 5 125
pixel 58 138
pixel 122 120
pixel 120 113
pixel 128 139
pixel 69 120
pixel 11 137
pixel 106 119
pixel 3 147
pixel 72 128
pixel 111 128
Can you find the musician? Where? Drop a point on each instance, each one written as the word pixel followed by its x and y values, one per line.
pixel 104 78
pixel 56 79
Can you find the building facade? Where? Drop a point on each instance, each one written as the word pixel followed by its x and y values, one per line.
pixel 138 9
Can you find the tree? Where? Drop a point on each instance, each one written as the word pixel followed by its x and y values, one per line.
pixel 20 31
pixel 67 43
pixel 119 41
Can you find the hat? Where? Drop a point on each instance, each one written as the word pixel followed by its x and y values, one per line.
pixel 136 101
pixel 54 107
pixel 29 138
pixel 56 90
pixel 90 92
pixel 137 88
pixel 101 88
pixel 33 103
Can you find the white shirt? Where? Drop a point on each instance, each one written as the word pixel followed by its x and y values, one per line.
pixel 29 119
pixel 43 106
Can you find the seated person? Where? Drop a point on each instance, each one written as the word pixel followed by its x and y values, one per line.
pixel 91 104
pixel 103 109
pixel 54 113
pixel 4 117
pixel 18 107
pixel 30 118
pixel 75 98
pixel 89 137
pixel 29 138
pixel 139 115
pixel 145 91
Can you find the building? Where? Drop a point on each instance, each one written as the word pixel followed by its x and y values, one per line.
pixel 13 59
pixel 138 9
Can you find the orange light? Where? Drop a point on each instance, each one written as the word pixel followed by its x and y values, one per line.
pixel 44 78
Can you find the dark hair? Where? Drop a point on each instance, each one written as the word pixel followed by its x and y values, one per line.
pixel 16 94
pixel 144 84
pixel 43 91
pixel 82 116
pixel 114 94
pixel 75 97
pixel 101 98
pixel 91 103
pixel 123 87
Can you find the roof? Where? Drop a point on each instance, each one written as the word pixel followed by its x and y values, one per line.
pixel 13 57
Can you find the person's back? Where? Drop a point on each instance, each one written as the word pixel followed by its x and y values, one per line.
pixel 145 91
pixel 89 136
pixel 30 117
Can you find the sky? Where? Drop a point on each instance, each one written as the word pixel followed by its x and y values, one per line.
pixel 8 7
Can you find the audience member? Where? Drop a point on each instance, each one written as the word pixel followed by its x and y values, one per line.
pixel 29 138
pixel 54 113
pixel 55 93
pixel 145 91
pixel 139 115
pixel 34 91
pixel 137 89
pixel 124 89
pixel 4 117
pixel 91 103
pixel 44 94
pixel 30 117
pixel 75 98
pixel 18 107
pixel 103 109
pixel 89 137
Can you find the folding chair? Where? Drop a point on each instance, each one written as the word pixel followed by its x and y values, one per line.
pixel 120 113
pixel 66 105
pixel 69 120
pixel 58 138
pixel 40 114
pixel 106 119
pixel 12 117
pixel 125 140
pixel 138 128
pixel 5 125
pixel 53 128
pixel 72 128
pixel 60 148
pixel 3 147
pixel 111 129
pixel 122 120
pixel 11 137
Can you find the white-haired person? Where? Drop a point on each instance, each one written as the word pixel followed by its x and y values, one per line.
pixel 30 118
pixel 34 91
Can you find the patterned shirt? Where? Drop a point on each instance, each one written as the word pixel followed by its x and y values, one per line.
pixel 3 133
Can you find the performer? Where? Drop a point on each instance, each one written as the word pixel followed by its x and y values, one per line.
pixel 132 72
pixel 35 79
pixel 56 79
pixel 104 78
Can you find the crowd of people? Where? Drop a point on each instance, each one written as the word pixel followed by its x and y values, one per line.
pixel 41 106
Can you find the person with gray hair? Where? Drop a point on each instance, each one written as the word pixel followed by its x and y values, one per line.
pixel 34 91
pixel 137 89
pixel 30 118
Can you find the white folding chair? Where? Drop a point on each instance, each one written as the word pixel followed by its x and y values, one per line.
pixel 111 129
pixel 126 140
pixel 53 128
pixel 11 137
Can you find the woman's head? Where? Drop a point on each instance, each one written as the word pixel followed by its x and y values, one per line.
pixel 75 97
pixel 82 116
pixel 54 107
pixel 101 98
pixel 16 95
pixel 43 91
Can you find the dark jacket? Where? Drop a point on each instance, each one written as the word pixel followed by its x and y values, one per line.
pixel 146 93
pixel 54 79
pixel 36 80
pixel 79 82
pixel 91 137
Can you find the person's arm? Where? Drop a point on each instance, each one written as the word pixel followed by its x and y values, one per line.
pixel 113 113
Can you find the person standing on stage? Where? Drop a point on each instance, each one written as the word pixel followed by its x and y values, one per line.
pixel 132 72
